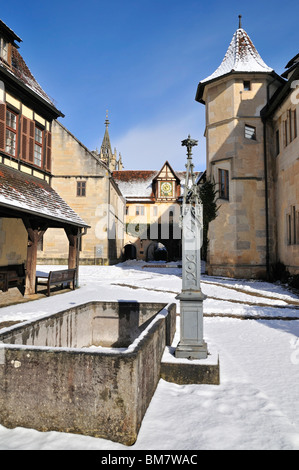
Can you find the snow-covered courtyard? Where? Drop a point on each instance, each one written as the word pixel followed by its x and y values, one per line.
pixel 253 325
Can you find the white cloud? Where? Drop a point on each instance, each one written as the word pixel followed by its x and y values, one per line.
pixel 147 147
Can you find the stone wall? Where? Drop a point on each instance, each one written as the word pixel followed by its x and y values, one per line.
pixel 102 393
pixel 73 163
pixel 237 236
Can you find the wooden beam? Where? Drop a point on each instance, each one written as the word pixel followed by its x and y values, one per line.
pixel 72 235
pixel 34 235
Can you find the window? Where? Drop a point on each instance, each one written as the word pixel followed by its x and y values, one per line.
pixel 277 143
pixel 285 133
pixel 250 132
pixel 290 127
pixel 155 211
pixel 247 85
pixel 139 210
pixel 292 226
pixel 294 123
pixel 38 146
pixel 289 229
pixel 223 184
pixel 11 132
pixel 127 210
pixel 81 188
pixel 3 49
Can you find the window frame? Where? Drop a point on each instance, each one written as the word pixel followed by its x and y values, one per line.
pixel 277 142
pixel 223 179
pixel 81 189
pixel 9 130
pixel 38 147
pixel 2 48
pixel 247 85
pixel 247 129
pixel 139 211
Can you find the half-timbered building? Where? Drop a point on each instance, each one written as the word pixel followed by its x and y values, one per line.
pixel 28 203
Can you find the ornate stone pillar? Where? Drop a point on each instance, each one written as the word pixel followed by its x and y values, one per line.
pixel 192 344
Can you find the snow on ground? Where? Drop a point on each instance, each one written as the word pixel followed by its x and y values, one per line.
pixel 255 328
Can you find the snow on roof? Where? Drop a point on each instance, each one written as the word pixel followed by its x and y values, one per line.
pixel 241 56
pixel 28 194
pixel 19 69
pixel 139 183
pixel 135 183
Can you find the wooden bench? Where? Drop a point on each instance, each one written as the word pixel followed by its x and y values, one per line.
pixel 12 275
pixel 55 278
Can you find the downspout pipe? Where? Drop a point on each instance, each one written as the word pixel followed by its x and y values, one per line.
pixel 266 201
pixel 264 119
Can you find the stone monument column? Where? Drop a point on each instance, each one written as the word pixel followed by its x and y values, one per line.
pixel 192 344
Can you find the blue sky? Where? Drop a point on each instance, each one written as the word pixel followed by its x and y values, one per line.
pixel 142 60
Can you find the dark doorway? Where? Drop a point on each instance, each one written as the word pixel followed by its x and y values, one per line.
pixel 130 252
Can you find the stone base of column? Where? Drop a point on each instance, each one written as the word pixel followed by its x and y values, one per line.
pixel 192 344
pixel 192 351
pixel 185 372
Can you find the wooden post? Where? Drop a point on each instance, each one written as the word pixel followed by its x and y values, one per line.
pixel 72 235
pixel 34 235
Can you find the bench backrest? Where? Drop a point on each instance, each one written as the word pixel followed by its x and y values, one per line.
pixel 62 275
pixel 19 269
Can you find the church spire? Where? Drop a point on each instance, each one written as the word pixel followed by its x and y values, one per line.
pixel 106 154
pixel 106 151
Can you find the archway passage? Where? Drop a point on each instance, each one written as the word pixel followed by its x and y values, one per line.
pixel 164 250
pixel 130 252
pixel 156 252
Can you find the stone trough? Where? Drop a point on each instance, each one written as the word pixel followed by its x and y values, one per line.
pixel 91 369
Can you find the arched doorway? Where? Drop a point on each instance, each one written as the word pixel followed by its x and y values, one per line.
pixel 130 252
pixel 156 252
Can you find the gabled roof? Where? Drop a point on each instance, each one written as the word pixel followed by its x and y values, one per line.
pixel 135 183
pixel 167 164
pixel 19 72
pixel 241 56
pixel 293 61
pixel 138 184
pixel 26 194
pixel 9 32
pixel 281 94
pixel 291 66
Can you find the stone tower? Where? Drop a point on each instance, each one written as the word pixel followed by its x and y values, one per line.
pixel 106 154
pixel 234 96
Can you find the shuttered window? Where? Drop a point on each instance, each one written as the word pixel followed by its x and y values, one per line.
pixel 38 146
pixel 11 133
pixel 22 138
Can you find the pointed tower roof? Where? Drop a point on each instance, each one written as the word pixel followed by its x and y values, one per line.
pixel 106 149
pixel 241 56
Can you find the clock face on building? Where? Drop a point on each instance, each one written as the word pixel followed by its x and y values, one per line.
pixel 166 189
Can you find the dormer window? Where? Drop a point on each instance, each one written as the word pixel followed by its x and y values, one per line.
pixel 3 49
